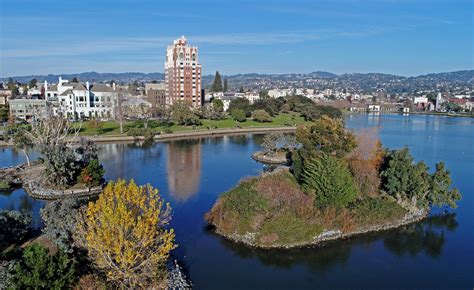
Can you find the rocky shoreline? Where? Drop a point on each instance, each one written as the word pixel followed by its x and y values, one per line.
pixel 329 235
pixel 177 278
pixel 34 189
pixel 29 177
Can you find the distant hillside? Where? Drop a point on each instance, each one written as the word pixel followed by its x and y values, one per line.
pixel 94 77
pixel 363 82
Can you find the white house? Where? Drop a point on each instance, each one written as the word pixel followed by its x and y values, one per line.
pixel 420 100
pixel 373 108
pixel 252 97
pixel 276 93
pixel 82 100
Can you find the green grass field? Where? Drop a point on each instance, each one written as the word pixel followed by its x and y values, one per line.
pixel 112 127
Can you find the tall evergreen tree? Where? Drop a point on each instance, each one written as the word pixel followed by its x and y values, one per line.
pixel 226 85
pixel 217 85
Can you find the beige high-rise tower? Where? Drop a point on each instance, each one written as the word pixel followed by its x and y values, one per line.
pixel 182 74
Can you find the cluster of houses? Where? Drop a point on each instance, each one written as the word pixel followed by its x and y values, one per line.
pixel 74 100
pixel 79 100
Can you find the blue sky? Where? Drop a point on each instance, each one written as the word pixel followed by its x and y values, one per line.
pixel 407 37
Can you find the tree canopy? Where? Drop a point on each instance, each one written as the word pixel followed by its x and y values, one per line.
pixel 217 84
pixel 125 234
pixel 411 182
pixel 327 135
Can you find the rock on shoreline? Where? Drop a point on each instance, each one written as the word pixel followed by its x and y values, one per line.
pixel 248 239
pixel 177 278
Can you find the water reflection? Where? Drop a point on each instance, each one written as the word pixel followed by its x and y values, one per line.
pixel 184 168
pixel 426 237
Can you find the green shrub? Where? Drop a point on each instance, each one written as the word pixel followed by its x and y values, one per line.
pixel 406 180
pixel 261 116
pixel 14 227
pixel 238 115
pixel 153 124
pixel 39 270
pixel 327 135
pixel 4 185
pixel 330 180
pixel 148 134
pixel 59 218
pixel 376 210
pixel 92 174
pixel 168 131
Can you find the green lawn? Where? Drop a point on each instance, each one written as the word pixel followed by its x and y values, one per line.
pixel 112 127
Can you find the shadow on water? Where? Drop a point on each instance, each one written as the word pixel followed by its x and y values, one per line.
pixel 427 236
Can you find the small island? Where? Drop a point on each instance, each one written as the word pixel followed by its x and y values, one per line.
pixel 277 147
pixel 338 185
pixel 68 166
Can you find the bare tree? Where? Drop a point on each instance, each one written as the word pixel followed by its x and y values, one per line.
pixel 118 113
pixel 52 131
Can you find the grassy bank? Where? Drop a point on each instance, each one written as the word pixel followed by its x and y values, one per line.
pixel 273 211
pixel 110 128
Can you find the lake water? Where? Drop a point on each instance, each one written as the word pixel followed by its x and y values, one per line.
pixel 435 253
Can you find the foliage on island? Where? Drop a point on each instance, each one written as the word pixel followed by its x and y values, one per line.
pixel 67 160
pixel 125 234
pixel 338 181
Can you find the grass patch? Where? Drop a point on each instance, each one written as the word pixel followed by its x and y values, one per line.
pixel 288 228
pixel 113 128
pixel 375 210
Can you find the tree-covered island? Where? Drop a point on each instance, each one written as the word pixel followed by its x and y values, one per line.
pixel 339 184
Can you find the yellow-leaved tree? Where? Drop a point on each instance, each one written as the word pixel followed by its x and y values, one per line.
pixel 125 234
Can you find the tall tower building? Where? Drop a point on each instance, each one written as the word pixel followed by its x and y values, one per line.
pixel 182 74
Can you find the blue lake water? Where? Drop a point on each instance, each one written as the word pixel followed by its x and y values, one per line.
pixel 435 253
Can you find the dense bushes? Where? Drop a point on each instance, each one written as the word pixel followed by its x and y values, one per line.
pixel 273 206
pixel 238 115
pixel 261 116
pixel 14 227
pixel 183 115
pixel 329 180
pixel 412 184
pixel 38 269
pixel 365 161
pixel 327 135
pixel 92 174
pixel 60 218
pixel 148 134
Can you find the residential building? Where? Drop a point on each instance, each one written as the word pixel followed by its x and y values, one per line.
pixel 420 100
pixel 276 93
pixel 183 74
pixel 373 108
pixel 154 86
pixel 252 97
pixel 5 96
pixel 28 109
pixel 155 94
pixel 80 100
